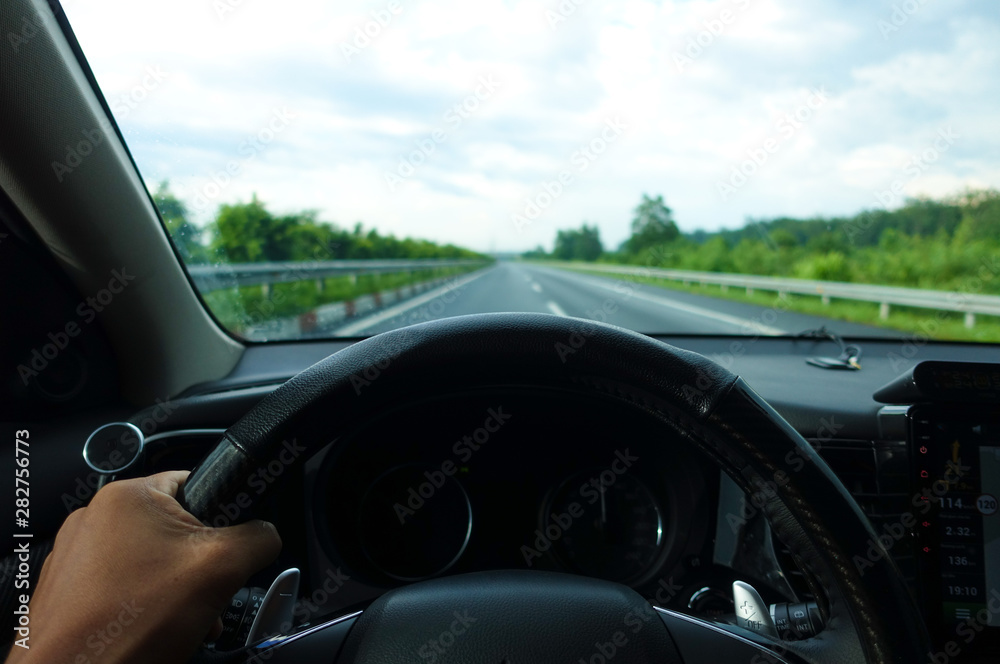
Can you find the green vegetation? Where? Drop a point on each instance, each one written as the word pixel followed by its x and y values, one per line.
pixel 919 322
pixel 250 233
pixel 578 245
pixel 240 307
pixel 952 244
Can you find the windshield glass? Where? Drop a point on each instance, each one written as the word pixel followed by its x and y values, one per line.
pixel 736 167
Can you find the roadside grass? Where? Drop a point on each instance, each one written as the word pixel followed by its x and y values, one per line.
pixel 921 323
pixel 236 307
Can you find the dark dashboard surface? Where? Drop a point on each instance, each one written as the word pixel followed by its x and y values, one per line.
pixel 818 403
pixel 487 481
pixel 774 366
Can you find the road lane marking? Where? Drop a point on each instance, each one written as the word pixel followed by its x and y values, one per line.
pixel 353 328
pixel 556 309
pixel 536 288
pixel 746 325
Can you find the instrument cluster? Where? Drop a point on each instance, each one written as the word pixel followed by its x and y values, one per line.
pixel 517 479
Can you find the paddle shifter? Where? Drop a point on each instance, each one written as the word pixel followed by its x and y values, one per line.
pixel 254 614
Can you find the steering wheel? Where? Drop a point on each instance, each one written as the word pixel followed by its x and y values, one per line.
pixel 525 616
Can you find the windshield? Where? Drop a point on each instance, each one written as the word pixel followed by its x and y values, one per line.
pixel 737 167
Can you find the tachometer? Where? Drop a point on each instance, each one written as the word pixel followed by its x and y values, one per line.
pixel 607 529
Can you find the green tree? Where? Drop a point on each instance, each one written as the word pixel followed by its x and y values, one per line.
pixel 184 234
pixel 652 225
pixel 980 216
pixel 583 244
pixel 248 233
pixel 784 239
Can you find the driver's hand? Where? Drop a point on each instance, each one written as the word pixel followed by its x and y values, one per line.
pixel 136 578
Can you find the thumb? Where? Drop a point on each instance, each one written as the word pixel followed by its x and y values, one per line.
pixel 250 545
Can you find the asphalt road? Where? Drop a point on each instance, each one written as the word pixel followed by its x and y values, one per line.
pixel 509 286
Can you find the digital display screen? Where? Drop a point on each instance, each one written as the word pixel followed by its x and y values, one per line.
pixel 956 457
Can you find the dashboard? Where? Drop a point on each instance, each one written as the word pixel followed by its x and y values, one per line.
pixel 520 478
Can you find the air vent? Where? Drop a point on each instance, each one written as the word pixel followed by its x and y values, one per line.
pixel 876 474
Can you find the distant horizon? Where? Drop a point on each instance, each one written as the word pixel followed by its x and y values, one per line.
pixel 748 221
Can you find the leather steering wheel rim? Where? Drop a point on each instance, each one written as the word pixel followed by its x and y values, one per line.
pixel 870 615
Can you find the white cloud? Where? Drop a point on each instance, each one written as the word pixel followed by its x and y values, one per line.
pixel 358 113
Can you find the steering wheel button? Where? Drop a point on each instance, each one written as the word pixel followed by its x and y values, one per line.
pixel 779 614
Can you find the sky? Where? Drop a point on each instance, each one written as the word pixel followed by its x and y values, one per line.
pixel 492 124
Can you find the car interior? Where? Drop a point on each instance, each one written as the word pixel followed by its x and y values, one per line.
pixel 501 486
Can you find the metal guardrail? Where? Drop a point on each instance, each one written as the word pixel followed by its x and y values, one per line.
pixel 215 277
pixel 970 304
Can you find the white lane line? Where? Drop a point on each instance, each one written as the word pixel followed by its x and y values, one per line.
pixel 536 288
pixel 352 329
pixel 746 325
pixel 556 309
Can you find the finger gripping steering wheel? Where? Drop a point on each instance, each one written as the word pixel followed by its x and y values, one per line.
pixel 544 617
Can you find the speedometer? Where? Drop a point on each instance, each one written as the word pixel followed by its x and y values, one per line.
pixel 414 522
pixel 607 529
